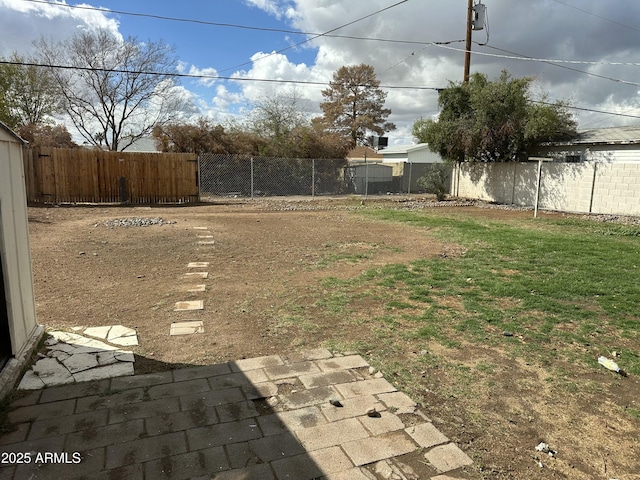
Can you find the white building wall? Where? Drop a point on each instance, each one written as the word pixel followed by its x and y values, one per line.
pixel 424 155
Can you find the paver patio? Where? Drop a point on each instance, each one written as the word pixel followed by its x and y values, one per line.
pixel 260 418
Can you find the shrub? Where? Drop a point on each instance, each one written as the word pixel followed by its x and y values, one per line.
pixel 436 180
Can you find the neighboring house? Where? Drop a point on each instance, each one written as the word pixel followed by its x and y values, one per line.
pixel 416 153
pixel 142 145
pixel 19 331
pixel 410 162
pixel 615 144
pixel 362 153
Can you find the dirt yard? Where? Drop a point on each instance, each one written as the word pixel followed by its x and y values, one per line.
pixel 266 263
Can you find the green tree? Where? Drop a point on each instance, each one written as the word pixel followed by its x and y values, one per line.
pixel 116 90
pixel 493 121
pixel 28 93
pixel 354 105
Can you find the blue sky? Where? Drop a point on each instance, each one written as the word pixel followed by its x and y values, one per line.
pixel 600 32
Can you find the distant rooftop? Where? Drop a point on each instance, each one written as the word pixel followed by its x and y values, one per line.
pixel 611 135
pixel 402 149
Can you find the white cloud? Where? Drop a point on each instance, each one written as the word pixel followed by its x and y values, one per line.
pixel 28 21
pixel 207 72
pixel 272 7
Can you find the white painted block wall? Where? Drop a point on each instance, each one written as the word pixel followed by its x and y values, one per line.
pixel 607 188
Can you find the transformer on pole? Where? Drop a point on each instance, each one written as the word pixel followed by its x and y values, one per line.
pixel 476 15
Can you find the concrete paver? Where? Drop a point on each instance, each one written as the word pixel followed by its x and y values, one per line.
pixel 447 457
pixel 426 435
pixel 259 418
pixel 323 436
pixel 372 449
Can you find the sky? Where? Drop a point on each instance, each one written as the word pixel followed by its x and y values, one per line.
pixel 581 51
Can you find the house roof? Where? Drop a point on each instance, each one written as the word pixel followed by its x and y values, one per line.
pixel 359 153
pixel 404 149
pixel 606 136
pixel 12 133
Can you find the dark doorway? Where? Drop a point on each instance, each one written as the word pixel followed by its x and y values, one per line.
pixel 5 337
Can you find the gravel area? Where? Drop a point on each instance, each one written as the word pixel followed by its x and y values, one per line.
pixel 135 222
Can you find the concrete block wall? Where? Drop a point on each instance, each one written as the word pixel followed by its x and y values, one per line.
pixel 607 188
pixel 617 189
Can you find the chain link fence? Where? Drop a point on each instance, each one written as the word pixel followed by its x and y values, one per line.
pixel 222 175
pixel 250 176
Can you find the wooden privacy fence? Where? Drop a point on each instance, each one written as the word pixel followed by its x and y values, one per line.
pixel 58 175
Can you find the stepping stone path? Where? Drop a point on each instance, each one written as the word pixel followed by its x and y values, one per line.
pixel 193 326
pixel 72 357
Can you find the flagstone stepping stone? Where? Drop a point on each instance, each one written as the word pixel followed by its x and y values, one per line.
pixel 125 356
pixel 186 328
pixel 80 362
pixel 197 264
pixel 51 372
pixel 196 275
pixel 189 305
pixel 74 358
pixel 119 369
pixel 201 228
pixel 98 332
pixel 197 288
pixel 212 242
pixel 204 236
pixel 116 334
pixel 31 381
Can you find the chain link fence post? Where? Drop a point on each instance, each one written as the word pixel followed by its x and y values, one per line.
pixel 252 176
pixel 313 178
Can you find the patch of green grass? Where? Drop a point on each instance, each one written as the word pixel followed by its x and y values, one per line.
pixel 634 412
pixel 350 252
pixel 556 284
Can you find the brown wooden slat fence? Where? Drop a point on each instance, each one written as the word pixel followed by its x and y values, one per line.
pixel 58 175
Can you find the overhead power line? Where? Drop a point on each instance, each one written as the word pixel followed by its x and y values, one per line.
pixel 593 110
pixel 545 60
pixel 597 16
pixel 227 25
pixel 559 65
pixel 300 82
pixel 317 36
pixel 200 76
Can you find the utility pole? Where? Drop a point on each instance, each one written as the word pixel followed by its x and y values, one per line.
pixel 467 53
pixel 475 21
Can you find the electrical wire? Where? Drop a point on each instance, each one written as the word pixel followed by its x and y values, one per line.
pixel 585 109
pixel 330 34
pixel 314 37
pixel 558 65
pixel 597 16
pixel 299 82
pixel 201 76
pixel 545 60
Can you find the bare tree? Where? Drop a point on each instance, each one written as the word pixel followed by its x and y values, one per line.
pixel 114 91
pixel 276 114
